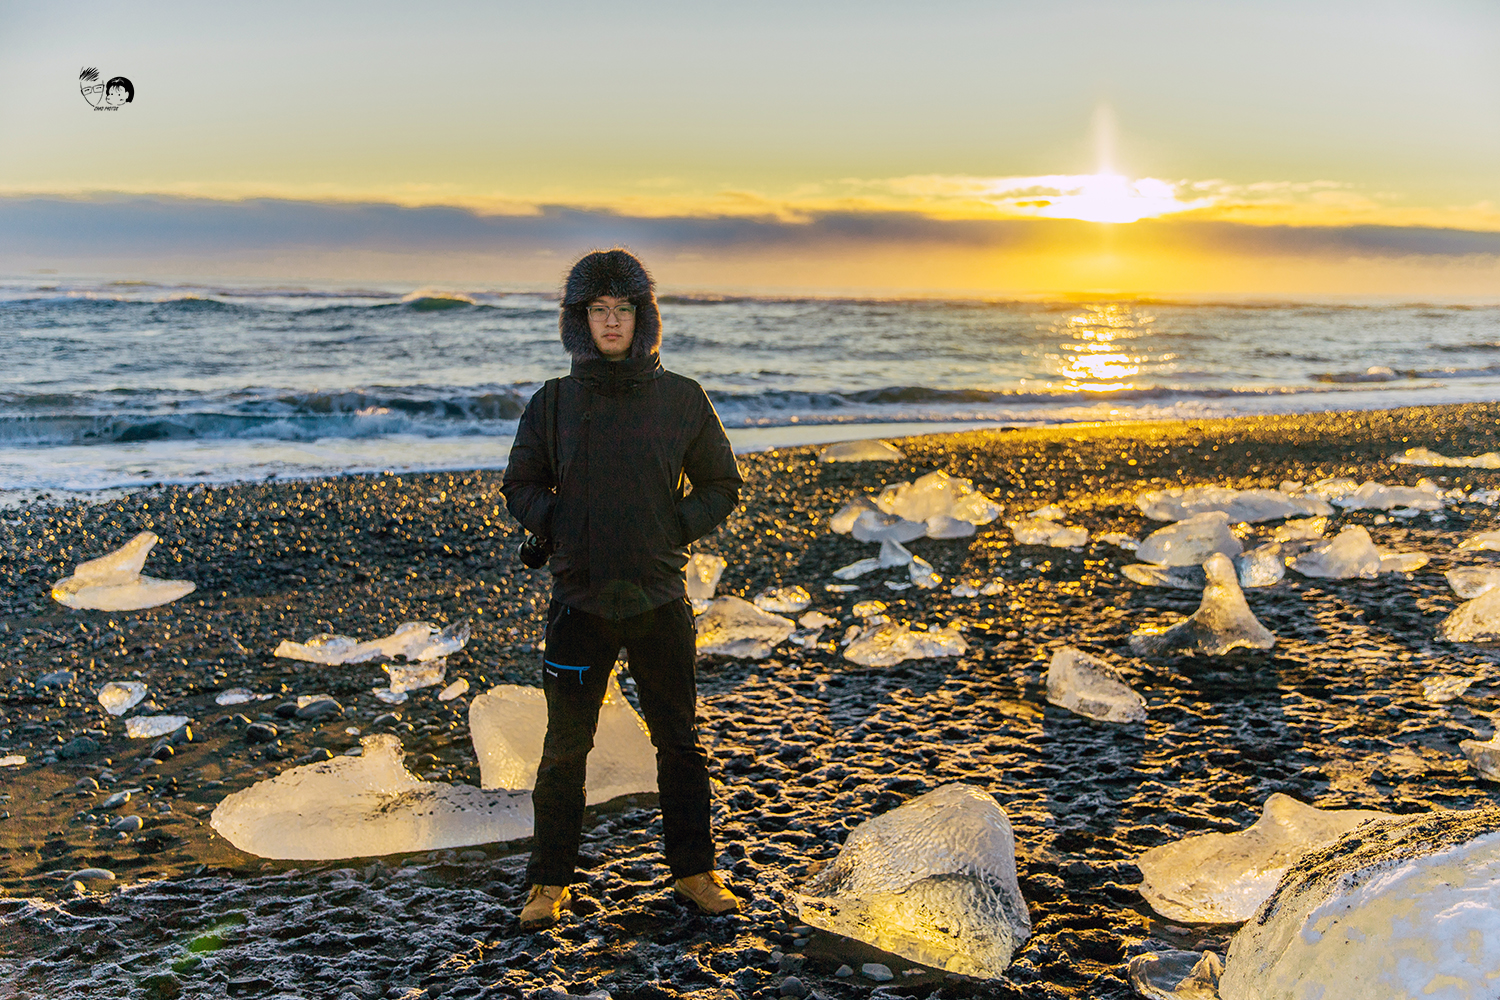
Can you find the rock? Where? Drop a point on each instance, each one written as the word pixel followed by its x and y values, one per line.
pixel 127 824
pixel 261 732
pixel 876 972
pixel 161 986
pixel 734 627
pixel 1179 504
pixel 1222 622
pixel 843 972
pixel 1403 910
pixel 92 875
pixel 113 582
pixel 317 707
pixel 509 722
pixel 234 696
pixel 791 986
pixel 1092 688
pixel 115 801
pixel 933 880
pixel 1190 542
pixel 860 451
pixel 78 746
pixel 287 710
pixel 1221 878
pixel 1176 975
pixel 1349 554
pixel 365 806
pixel 57 679
pixel 314 755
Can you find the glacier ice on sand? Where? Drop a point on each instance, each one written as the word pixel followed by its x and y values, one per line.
pixel 1428 457
pixel 702 574
pixel 416 641
pixel 1190 542
pixel 119 697
pixel 1091 687
pixel 1175 975
pixel 1348 555
pixel 861 451
pixel 783 599
pixel 113 582
pixel 1181 503
pixel 732 626
pixel 1474 621
pixel 933 880
pixel 1223 621
pixel 887 643
pixel 145 727
pixel 1044 531
pixel 370 805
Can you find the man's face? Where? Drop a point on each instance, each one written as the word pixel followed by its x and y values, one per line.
pixel 93 93
pixel 612 323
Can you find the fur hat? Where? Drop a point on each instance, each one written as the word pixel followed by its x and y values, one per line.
pixel 619 274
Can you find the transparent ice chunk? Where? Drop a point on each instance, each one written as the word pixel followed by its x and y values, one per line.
pixel 938 493
pixel 145 727
pixel 456 689
pixel 868 609
pixel 1181 503
pixel 860 451
pixel 119 697
pixel 943 526
pixel 1040 531
pixel 415 676
pixel 893 553
pixel 1348 555
pixel 1222 622
pixel 1402 562
pixel 1300 529
pixel 886 644
pixel 113 582
pixel 413 640
pixel 1262 566
pixel 922 574
pixel 1484 756
pixel 933 880
pixel 1090 687
pixel 1176 975
pixel 1443 687
pixel 1333 488
pixel 964 590
pixel 857 569
pixel 784 599
pixel 1407 909
pixel 12 760
pixel 1176 577
pixel 702 574
pixel 847 588
pixel 1470 582
pixel 1485 540
pixel 1426 495
pixel 1051 512
pixel 992 588
pixel 236 696
pixel 365 806
pixel 1222 878
pixel 1424 456
pixel 816 619
pixel 1474 621
pixel 1119 540
pixel 877 526
pixel 843 522
pixel 1190 542
pixel 509 724
pixel 734 627
pixel 896 585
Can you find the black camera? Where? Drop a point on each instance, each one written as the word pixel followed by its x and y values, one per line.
pixel 535 551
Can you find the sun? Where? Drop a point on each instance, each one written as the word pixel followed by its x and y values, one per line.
pixel 1102 197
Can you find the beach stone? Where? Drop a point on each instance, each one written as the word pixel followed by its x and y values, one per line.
pixel 388 719
pixel 79 746
pixel 261 732
pixel 319 709
pixel 287 710
pixel 238 721
pixel 86 784
pixel 92 875
pixel 127 824
pixel 58 678
pixel 312 757
pixel 115 801
pixel 162 986
pixel 844 972
pixel 877 972
pixel 791 986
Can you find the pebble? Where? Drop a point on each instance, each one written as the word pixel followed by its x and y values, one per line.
pixel 92 875
pixel 318 709
pixel 87 784
pixel 314 756
pixel 127 824
pixel 287 710
pixel 791 986
pixel 261 732
pixel 877 972
pixel 844 972
pixel 79 746
pixel 388 719
pixel 58 678
pixel 115 801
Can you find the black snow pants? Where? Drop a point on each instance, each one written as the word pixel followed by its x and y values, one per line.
pixel 580 653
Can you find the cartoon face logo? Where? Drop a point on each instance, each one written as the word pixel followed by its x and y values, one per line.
pixel 109 96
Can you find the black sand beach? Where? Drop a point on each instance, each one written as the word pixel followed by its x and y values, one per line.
pixel 807 745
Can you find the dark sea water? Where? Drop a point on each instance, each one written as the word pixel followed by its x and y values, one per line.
pixel 120 384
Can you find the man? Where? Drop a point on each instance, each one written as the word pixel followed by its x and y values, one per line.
pixel 620 432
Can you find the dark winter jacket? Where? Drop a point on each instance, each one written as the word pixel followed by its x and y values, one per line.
pixel 627 434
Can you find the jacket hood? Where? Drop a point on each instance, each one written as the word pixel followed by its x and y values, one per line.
pixel 617 273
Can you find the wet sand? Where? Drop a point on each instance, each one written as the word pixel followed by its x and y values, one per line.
pixel 807 745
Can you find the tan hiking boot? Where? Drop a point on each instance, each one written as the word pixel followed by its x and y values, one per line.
pixel 708 892
pixel 544 905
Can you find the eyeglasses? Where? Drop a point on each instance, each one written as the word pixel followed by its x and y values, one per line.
pixel 624 311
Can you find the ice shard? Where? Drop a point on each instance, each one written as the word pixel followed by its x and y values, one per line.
pixel 933 880
pixel 1474 621
pixel 938 493
pixel 415 676
pixel 1484 756
pixel 922 574
pixel 1041 531
pixel 1470 582
pixel 113 582
pixel 893 553
pixel 868 609
pixel 943 526
pixel 119 697
pixel 1179 504
pixel 1176 975
pixel 1262 566
pixel 1485 540
pixel 1300 529
pixel 816 619
pixel 1402 562
pixel 1440 688
pixel 415 641
pixel 145 727
pixel 1425 456
pixel 365 806
pixel 702 574
pixel 1119 540
pixel 1190 542
pixel 887 643
pixel 877 526
pixel 1092 688
pixel 783 599
pixel 1222 878
pixel 1176 577
pixel 843 522
pixel 1348 555
pixel 509 724
pixel 734 627
pixel 858 568
pixel 1402 910
pixel 1426 495
pixel 860 451
pixel 1222 622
